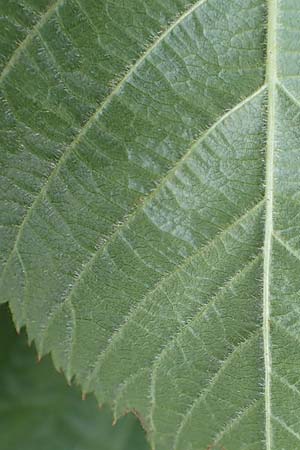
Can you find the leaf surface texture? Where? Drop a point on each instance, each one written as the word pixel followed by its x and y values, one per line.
pixel 150 209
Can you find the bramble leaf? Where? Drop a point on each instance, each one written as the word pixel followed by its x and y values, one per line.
pixel 150 204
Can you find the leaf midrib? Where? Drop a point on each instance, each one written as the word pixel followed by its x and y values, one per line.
pixel 271 80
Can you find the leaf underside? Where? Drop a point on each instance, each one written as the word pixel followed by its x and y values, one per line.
pixel 149 208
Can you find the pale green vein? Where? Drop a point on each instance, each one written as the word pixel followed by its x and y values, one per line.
pixel 200 314
pixel 94 116
pixel 286 330
pixel 153 193
pixel 286 383
pixel 130 217
pixel 237 350
pixel 130 318
pixel 271 78
pixel 124 386
pixel 286 427
pixel 28 39
pixel 235 421
pixel 289 95
pixel 285 245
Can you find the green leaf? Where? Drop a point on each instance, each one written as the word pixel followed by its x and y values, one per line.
pixel 149 208
pixel 38 410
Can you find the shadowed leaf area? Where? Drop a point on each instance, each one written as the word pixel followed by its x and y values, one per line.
pixel 39 411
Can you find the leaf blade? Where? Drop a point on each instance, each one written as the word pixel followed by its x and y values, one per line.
pixel 97 292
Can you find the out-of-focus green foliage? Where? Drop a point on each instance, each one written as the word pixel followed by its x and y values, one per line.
pixel 39 411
